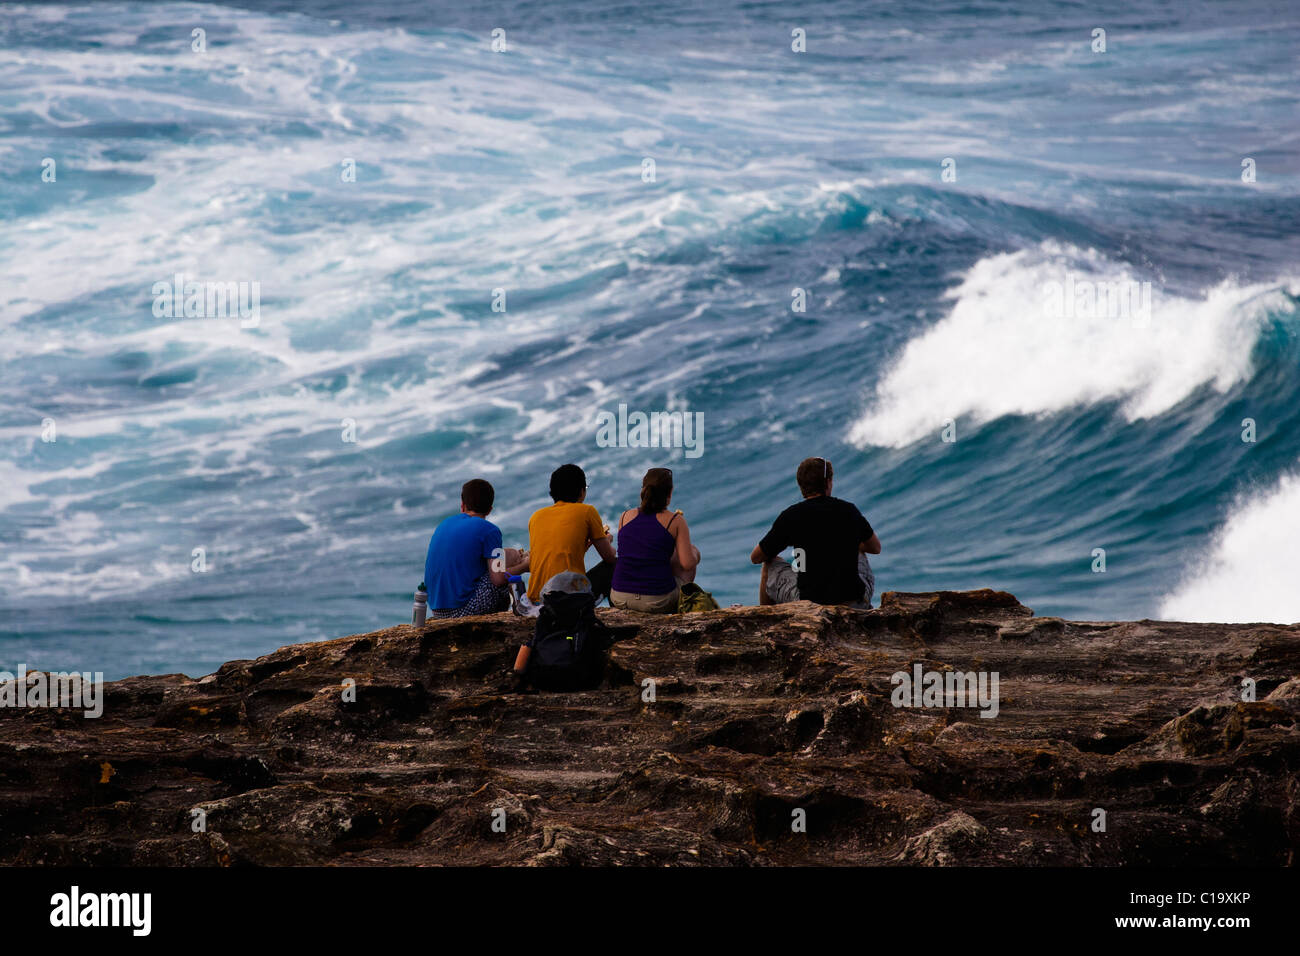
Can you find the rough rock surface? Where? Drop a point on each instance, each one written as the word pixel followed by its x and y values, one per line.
pixel 758 713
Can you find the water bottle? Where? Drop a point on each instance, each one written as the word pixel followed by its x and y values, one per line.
pixel 421 607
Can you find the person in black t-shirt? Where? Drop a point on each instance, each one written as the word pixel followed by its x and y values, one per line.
pixel 831 541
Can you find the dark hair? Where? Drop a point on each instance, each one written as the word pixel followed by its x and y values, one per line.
pixel 656 487
pixel 568 482
pixel 814 475
pixel 477 495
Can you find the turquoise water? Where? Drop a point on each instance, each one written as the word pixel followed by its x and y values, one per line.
pixel 522 170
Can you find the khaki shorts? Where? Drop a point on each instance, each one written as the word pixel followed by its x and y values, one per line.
pixel 647 603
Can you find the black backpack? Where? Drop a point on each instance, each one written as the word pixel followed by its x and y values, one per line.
pixel 569 644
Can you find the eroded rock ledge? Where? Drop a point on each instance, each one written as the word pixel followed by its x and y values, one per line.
pixel 758 712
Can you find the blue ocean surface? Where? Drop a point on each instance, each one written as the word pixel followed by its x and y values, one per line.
pixel 647 193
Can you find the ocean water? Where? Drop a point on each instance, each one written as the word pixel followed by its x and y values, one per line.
pixel 927 306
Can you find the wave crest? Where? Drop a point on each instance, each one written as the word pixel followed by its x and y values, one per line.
pixel 1003 350
pixel 1249 574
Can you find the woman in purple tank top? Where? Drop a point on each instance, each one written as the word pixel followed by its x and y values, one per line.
pixel 655 554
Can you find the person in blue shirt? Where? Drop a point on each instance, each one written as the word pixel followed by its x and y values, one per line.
pixel 467 571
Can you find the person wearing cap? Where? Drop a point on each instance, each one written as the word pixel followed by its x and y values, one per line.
pixel 831 540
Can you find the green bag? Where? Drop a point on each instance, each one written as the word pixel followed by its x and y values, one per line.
pixel 695 598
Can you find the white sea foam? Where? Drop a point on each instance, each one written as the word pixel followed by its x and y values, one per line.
pixel 1249 571
pixel 999 351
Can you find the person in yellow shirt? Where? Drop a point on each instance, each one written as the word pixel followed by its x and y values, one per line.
pixel 560 534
